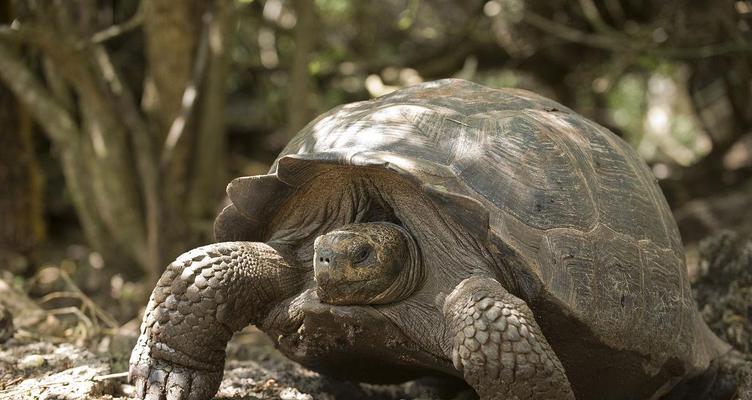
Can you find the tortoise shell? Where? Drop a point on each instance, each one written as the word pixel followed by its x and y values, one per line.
pixel 575 216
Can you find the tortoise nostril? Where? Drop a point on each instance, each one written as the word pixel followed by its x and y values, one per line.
pixel 326 260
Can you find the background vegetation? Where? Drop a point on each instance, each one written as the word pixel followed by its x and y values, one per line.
pixel 122 121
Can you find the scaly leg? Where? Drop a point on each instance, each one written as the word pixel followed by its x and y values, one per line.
pixel 728 377
pixel 202 298
pixel 498 346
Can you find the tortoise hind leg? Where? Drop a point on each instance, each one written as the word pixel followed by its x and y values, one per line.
pixel 743 374
pixel 728 378
pixel 498 346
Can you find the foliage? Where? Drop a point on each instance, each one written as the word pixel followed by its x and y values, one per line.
pixel 671 77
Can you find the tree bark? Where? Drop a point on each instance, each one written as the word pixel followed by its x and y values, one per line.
pixel 208 166
pixel 100 132
pixel 21 199
pixel 300 91
pixel 21 205
pixel 172 34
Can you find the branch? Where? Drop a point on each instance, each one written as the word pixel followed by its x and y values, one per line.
pixel 300 87
pixel 593 15
pixel 114 31
pixel 54 118
pixel 190 94
pixel 11 33
pixel 144 154
pixel 570 34
pixel 208 166
pixel 52 43
pixel 57 84
pixel 95 158
pixel 619 43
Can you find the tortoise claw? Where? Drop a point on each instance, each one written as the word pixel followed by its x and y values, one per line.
pixel 178 385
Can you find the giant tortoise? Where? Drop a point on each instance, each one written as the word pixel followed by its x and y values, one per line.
pixel 450 230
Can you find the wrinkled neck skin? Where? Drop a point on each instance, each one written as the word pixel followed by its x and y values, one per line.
pixel 322 336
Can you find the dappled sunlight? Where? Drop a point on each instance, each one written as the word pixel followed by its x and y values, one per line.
pixel 123 122
pixel 668 130
pixel 380 128
pixel 662 103
pixel 401 162
pixel 97 140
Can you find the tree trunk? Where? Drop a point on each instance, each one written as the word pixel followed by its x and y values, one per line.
pixel 142 215
pixel 21 205
pixel 209 167
pixel 172 33
pixel 300 95
pixel 21 198
pixel 184 97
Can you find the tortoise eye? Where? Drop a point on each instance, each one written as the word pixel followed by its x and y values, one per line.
pixel 361 255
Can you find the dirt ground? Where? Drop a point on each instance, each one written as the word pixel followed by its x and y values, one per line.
pixel 43 357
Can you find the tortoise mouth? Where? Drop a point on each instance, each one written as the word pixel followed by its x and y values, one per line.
pixel 331 292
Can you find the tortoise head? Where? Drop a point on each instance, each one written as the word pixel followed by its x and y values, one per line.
pixel 366 263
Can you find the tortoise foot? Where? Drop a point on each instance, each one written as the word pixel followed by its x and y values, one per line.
pixel 729 377
pixel 157 379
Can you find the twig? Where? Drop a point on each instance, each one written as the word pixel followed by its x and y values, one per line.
pixel 119 29
pixel 571 34
pixel 619 43
pixel 53 117
pixel 12 33
pixel 58 295
pixel 115 375
pixel 98 312
pixel 75 311
pixel 593 15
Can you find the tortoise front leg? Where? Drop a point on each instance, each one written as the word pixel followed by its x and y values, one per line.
pixel 202 298
pixel 498 346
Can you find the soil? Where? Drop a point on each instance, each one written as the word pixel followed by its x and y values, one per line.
pixel 45 356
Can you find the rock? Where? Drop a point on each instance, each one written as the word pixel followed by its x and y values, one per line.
pixel 31 361
pixel 293 394
pixel 72 383
pixel 44 370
